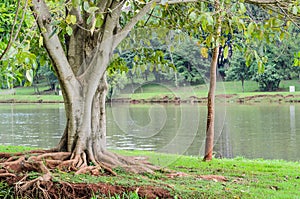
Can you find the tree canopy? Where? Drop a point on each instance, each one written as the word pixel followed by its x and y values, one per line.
pixel 81 36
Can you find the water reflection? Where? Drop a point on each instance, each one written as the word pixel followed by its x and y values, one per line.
pixel 260 131
pixel 31 125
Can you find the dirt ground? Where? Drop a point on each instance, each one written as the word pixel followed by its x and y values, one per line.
pixel 64 190
pixel 16 171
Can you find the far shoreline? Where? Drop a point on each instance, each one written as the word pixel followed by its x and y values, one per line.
pixel 241 98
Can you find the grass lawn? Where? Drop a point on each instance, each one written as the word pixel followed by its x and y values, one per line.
pixel 28 95
pixel 232 90
pixel 245 178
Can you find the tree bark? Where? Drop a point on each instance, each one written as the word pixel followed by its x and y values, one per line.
pixel 80 65
pixel 210 125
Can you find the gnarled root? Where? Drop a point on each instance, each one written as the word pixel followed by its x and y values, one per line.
pixel 15 168
pixel 40 184
pixel 84 162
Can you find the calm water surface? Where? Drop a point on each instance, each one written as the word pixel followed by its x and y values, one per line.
pixel 252 131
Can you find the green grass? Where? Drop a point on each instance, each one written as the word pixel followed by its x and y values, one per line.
pixel 30 98
pixel 158 91
pixel 13 149
pixel 28 95
pixel 246 178
pixel 234 89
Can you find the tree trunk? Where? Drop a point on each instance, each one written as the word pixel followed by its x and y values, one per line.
pixel 209 144
pixel 243 83
pixel 85 132
pixel 83 83
pixel 80 65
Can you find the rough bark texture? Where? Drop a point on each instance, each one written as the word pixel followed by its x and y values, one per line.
pixel 210 126
pixel 80 64
pixel 86 60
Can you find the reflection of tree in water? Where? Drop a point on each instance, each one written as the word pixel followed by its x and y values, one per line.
pixel 293 135
pixel 223 148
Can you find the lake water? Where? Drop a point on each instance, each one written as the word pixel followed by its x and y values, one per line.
pixel 252 131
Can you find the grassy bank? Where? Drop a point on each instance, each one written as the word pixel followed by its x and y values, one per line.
pixel 244 178
pixel 28 95
pixel 229 92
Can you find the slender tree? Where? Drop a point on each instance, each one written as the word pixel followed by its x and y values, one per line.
pixel 212 86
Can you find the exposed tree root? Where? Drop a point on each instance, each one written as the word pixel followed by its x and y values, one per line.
pixel 15 168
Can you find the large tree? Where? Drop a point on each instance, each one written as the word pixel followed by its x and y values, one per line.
pixel 80 64
pixel 81 52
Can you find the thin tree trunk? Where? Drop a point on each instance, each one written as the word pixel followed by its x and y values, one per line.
pixel 211 94
pixel 243 87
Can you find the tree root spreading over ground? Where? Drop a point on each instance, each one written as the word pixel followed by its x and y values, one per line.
pixel 15 168
pixel 31 175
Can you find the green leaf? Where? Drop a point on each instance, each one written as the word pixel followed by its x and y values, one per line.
pixel 92 9
pixel 99 20
pixel 41 41
pixel 193 16
pixel 251 27
pixel 136 58
pixel 89 19
pixel 296 62
pixel 73 19
pixel 75 3
pixel 69 30
pixel 209 19
pixel 203 23
pixel 282 35
pixel 243 8
pixel 68 19
pixel 261 68
pixel 86 6
pixel 248 60
pixel 226 50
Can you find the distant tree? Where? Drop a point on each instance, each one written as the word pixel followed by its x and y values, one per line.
pixel 46 73
pixel 270 79
pixel 191 67
pixel 279 62
pixel 237 69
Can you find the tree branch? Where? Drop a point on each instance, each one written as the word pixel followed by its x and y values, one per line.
pixel 129 26
pixel 262 1
pixel 53 44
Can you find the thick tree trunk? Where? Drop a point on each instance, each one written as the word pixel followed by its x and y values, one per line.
pixel 85 133
pixel 210 127
pixel 80 65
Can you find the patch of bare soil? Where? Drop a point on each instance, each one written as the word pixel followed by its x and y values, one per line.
pixel 15 171
pixel 64 190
